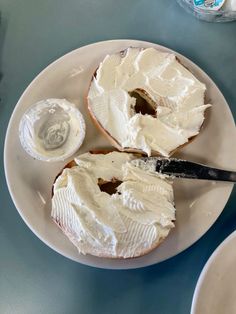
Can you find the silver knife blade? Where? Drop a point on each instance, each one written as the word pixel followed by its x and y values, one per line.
pixel 184 169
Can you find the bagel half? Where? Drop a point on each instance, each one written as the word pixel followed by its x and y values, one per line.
pixel 144 107
pixel 108 207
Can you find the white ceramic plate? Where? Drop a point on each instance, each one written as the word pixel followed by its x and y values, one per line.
pixel 30 181
pixel 215 292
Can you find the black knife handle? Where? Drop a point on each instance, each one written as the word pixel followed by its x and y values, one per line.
pixel 191 170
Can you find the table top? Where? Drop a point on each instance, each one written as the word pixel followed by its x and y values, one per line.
pixel 34 278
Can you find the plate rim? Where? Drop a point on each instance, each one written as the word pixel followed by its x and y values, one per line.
pixel 207 266
pixel 6 165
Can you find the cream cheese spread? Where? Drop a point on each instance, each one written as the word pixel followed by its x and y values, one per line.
pixel 52 129
pixel 177 94
pixel 126 224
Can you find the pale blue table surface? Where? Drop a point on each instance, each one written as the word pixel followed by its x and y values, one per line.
pixel 33 278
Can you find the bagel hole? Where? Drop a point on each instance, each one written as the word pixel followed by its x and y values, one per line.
pixel 142 105
pixel 109 187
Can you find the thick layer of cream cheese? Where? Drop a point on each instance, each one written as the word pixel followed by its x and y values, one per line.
pixel 124 224
pixel 178 94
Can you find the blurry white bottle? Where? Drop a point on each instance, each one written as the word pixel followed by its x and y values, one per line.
pixel 230 5
pixel 211 10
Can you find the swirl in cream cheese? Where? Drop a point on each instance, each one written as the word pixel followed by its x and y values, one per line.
pixel 126 224
pixel 52 129
pixel 177 94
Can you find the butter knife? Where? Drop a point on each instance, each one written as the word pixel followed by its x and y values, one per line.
pixel 184 169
